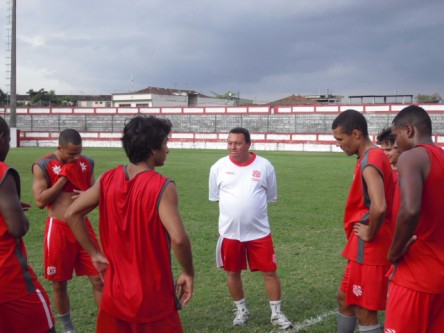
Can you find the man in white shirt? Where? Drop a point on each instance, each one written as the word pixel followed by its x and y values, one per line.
pixel 243 184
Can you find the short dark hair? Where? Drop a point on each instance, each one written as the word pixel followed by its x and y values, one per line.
pixel 142 134
pixel 244 131
pixel 4 128
pixel 349 120
pixel 416 116
pixel 68 136
pixel 385 136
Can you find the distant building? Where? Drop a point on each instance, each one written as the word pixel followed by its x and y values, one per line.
pixel 71 100
pixel 325 99
pixel 95 101
pixel 307 100
pixel 382 99
pixel 292 100
pixel 164 97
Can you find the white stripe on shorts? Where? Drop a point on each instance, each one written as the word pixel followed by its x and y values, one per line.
pixel 48 236
pixel 46 308
pixel 219 260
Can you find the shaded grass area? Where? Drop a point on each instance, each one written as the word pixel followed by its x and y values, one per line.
pixel 306 225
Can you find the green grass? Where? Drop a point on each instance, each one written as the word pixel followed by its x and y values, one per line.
pixel 306 224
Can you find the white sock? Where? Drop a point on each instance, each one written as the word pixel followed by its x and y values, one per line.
pixel 241 304
pixel 66 321
pixel 371 329
pixel 275 307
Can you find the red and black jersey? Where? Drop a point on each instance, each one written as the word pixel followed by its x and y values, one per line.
pixel 78 172
pixel 17 278
pixel 357 210
pixel 422 267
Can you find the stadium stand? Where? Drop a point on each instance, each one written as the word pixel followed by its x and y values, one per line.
pixel 298 128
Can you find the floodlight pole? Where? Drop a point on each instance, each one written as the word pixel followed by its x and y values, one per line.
pixel 13 92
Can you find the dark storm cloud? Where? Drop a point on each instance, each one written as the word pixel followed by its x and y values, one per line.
pixel 265 50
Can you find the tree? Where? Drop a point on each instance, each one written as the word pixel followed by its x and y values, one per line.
pixel 434 98
pixel 67 100
pixel 42 97
pixel 3 98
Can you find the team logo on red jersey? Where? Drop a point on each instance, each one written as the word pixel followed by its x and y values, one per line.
pixel 357 290
pixel 51 270
pixel 83 166
pixel 56 169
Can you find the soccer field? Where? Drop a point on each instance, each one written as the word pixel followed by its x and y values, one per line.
pixel 306 224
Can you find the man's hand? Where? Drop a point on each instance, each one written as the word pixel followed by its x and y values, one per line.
pixel 76 194
pixel 100 263
pixel 184 288
pixel 361 230
pixel 25 206
pixel 394 260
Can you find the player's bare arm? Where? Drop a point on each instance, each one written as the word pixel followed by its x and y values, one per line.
pixel 170 217
pixel 413 167
pixel 43 194
pixel 75 214
pixel 11 208
pixel 378 206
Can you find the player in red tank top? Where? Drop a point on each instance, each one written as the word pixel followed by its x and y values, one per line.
pixel 24 304
pixel 368 227
pixel 416 295
pixel 58 178
pixel 139 221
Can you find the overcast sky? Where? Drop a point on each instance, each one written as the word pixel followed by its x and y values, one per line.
pixel 263 49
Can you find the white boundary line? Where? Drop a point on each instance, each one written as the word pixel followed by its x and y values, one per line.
pixel 310 322
pixel 313 321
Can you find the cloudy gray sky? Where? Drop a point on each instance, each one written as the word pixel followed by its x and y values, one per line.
pixel 263 49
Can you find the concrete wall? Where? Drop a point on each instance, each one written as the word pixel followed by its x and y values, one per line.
pixel 306 128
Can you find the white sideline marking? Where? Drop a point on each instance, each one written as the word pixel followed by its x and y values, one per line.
pixel 310 322
pixel 313 321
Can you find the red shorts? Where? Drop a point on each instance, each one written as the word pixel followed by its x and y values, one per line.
pixel 365 285
pixel 411 311
pixel 63 254
pixel 259 253
pixel 110 324
pixel 30 313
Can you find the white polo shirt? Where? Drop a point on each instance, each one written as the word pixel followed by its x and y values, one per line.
pixel 243 192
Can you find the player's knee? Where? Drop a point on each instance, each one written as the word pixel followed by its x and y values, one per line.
pixel 340 297
pixel 60 287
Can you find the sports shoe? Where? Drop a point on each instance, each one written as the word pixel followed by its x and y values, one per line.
pixel 280 320
pixel 242 316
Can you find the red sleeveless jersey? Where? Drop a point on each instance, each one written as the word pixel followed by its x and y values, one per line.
pixel 17 278
pixel 79 172
pixel 357 210
pixel 139 284
pixel 422 267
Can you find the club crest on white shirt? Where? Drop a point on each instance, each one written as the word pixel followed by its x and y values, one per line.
pixel 256 174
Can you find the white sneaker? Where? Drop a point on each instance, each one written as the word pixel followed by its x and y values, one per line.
pixel 280 320
pixel 242 316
